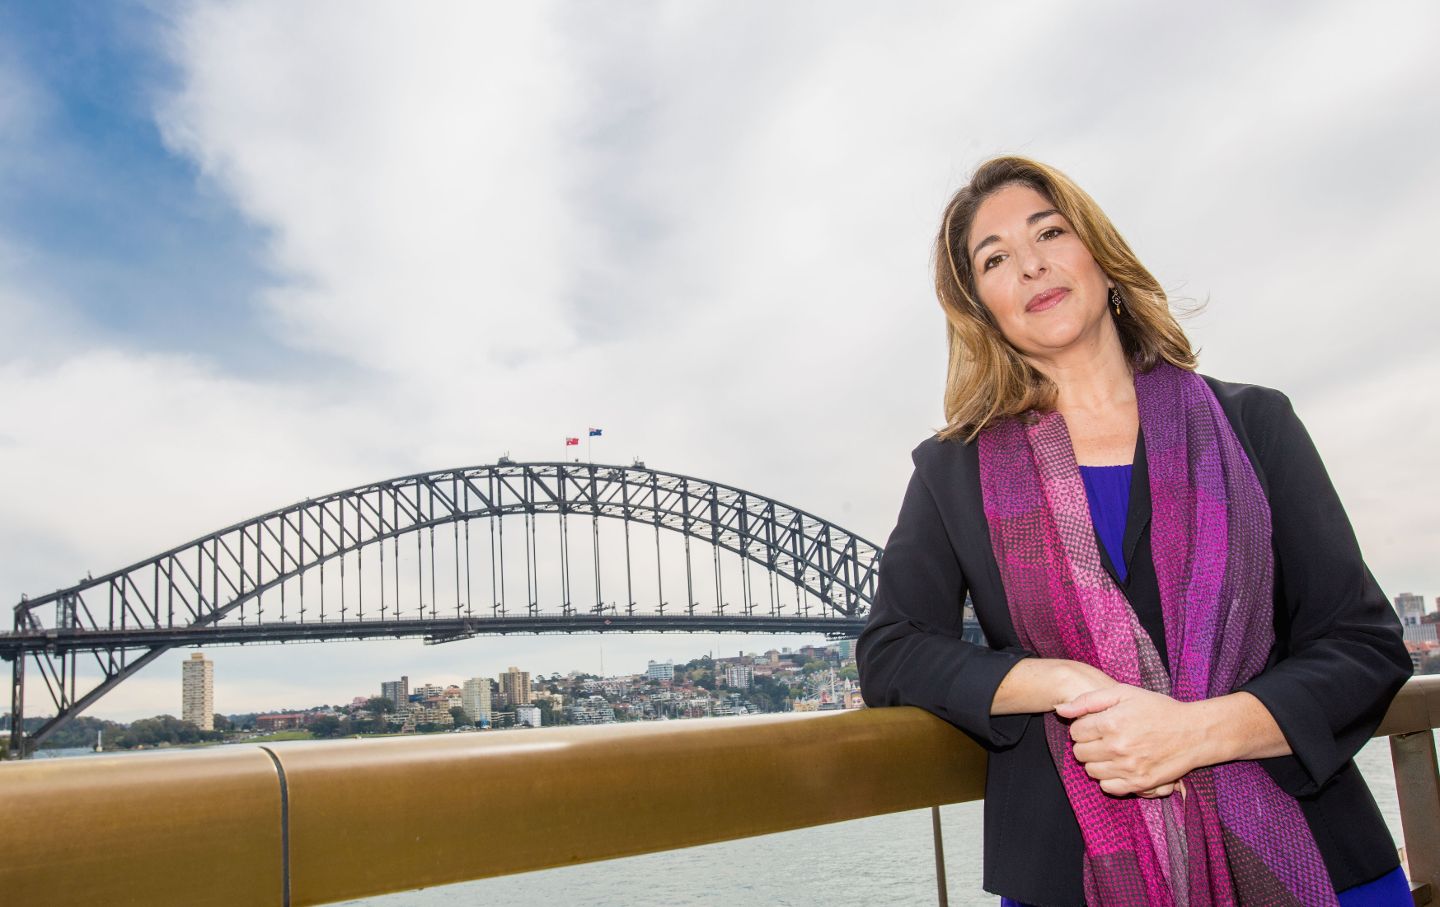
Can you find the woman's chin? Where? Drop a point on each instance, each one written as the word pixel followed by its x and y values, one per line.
pixel 1063 338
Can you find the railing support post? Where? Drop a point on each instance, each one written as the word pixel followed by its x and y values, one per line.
pixel 939 858
pixel 1417 784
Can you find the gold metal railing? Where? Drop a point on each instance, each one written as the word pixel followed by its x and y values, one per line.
pixel 1409 724
pixel 323 822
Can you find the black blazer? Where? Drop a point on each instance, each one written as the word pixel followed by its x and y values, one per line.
pixel 1337 662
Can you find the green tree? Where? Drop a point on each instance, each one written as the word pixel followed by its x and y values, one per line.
pixel 549 714
pixel 243 722
pixel 460 716
pixel 324 727
pixel 379 705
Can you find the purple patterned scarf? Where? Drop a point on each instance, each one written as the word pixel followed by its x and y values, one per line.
pixel 1235 837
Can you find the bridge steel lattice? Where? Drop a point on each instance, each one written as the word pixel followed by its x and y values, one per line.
pixel 264 580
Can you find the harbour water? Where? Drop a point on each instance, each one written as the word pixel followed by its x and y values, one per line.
pixel 882 860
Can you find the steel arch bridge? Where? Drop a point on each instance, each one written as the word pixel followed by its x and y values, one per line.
pixel 265 580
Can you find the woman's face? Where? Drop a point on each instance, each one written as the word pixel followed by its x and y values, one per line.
pixel 1035 276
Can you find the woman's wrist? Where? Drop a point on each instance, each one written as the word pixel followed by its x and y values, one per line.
pixel 1079 678
pixel 1235 727
pixel 1036 685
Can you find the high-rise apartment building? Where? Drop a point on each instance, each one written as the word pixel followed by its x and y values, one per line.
pixel 515 687
pixel 397 691
pixel 475 699
pixel 197 691
pixel 739 677
pixel 1410 607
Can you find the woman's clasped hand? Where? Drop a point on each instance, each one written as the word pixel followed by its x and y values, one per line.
pixel 1136 741
pixel 1132 740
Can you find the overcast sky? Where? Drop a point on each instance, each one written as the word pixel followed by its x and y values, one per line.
pixel 255 252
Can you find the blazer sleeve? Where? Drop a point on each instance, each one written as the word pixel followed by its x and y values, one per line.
pixel 911 651
pixel 1339 655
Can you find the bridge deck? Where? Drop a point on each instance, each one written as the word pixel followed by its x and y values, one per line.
pixel 439 629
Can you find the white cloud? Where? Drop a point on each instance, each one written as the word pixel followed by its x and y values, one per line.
pixel 410 169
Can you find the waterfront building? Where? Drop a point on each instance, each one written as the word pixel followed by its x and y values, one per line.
pixel 1410 607
pixel 699 707
pixel 515 687
pixel 729 705
pixel 846 648
pixel 438 714
pixel 197 691
pixel 283 721
pixel 1419 652
pixel 397 691
pixel 427 691
pixel 475 699
pixel 590 710
pixel 527 715
pixel 664 671
pixel 1420 632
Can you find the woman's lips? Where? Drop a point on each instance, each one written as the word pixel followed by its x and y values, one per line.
pixel 1046 300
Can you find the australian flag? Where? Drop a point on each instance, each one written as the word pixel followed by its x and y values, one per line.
pixel 594 432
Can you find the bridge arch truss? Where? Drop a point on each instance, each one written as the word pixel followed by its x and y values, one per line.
pixel 265 579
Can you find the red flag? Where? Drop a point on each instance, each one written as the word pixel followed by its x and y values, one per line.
pixel 571 441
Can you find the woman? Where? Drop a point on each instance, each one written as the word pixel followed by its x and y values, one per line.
pixel 1185 647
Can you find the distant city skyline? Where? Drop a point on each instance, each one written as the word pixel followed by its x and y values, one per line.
pixel 399 690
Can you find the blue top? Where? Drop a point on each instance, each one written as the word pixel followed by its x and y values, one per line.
pixel 1390 890
pixel 1108 491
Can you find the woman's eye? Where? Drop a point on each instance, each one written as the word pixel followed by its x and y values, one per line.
pixel 992 261
pixel 1050 232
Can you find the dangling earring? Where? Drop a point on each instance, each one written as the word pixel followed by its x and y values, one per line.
pixel 1115 300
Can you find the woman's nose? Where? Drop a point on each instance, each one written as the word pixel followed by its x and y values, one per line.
pixel 1032 264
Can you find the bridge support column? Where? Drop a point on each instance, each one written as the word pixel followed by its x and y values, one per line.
pixel 17 707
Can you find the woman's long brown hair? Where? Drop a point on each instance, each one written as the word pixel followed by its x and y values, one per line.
pixel 987 378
